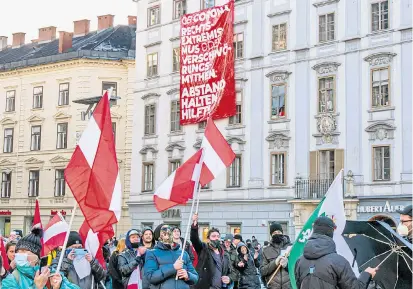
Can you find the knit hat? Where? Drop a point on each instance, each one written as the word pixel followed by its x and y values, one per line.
pixel 31 242
pixel 238 237
pixel 406 211
pixel 275 227
pixel 74 239
pixel 324 226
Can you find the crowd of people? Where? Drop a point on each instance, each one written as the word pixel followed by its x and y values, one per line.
pixel 157 258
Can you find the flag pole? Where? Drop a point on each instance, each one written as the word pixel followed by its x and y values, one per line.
pixel 62 253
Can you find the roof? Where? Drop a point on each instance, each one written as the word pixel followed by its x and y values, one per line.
pixel 114 43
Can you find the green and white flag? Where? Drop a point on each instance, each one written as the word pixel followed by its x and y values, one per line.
pixel 332 205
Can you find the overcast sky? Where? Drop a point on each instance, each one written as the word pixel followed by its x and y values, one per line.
pixel 30 15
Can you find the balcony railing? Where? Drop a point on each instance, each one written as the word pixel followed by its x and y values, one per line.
pixel 311 188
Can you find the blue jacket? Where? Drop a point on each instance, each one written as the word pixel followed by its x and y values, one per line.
pixel 159 268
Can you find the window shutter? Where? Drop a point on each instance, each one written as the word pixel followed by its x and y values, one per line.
pixel 313 164
pixel 338 161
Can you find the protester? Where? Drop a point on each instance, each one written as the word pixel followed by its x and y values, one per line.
pixel 254 241
pixel 237 240
pixel 11 251
pixel 405 227
pixel 113 269
pixel 163 264
pixel 272 258
pixel 13 237
pixel 247 266
pixel 321 267
pixel 231 251
pixel 76 263
pixel 213 265
pixel 28 274
pixel 249 246
pixel 179 240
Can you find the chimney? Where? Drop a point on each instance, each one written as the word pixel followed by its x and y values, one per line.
pixel 3 42
pixel 105 21
pixel 47 34
pixel 65 41
pixel 18 39
pixel 81 27
pixel 132 20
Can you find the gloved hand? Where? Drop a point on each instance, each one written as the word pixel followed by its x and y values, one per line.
pixel 277 261
pixel 284 262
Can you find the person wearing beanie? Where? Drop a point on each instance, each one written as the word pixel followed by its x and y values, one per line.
pixel 176 231
pixel 77 260
pixel 273 257
pixel 321 267
pixel 164 267
pixel 28 273
pixel 246 264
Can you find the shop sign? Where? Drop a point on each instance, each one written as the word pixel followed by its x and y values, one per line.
pixel 5 213
pixel 387 208
pixel 172 214
pixel 53 212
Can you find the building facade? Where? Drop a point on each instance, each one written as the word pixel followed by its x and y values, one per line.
pixel 41 123
pixel 321 86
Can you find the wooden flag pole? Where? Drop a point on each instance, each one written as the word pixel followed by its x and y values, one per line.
pixel 62 253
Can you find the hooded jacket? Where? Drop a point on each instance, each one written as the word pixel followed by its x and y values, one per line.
pixel 159 267
pixel 249 278
pixel 321 267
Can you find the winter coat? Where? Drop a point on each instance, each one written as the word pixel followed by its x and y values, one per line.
pixel 321 267
pixel 19 280
pixel 268 266
pixel 68 269
pixel 127 263
pixel 113 271
pixel 206 264
pixel 233 257
pixel 249 278
pixel 159 268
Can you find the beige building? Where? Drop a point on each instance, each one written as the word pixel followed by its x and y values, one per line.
pixel 40 123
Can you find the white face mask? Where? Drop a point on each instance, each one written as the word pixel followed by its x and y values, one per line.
pixel 21 259
pixel 402 230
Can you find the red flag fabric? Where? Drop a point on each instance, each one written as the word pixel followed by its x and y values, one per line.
pixel 3 253
pixel 179 187
pixel 54 234
pixel 218 154
pixel 37 222
pixel 94 242
pixel 93 172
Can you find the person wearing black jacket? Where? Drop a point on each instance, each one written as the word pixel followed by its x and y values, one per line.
pixel 113 269
pixel 321 267
pixel 179 240
pixel 247 265
pixel 213 264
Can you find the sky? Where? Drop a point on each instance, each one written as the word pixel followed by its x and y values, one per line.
pixel 30 15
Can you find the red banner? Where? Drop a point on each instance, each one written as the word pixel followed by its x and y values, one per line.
pixel 207 64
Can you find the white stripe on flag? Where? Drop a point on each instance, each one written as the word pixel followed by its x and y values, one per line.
pixel 54 230
pixel 89 141
pixel 212 159
pixel 116 201
pixel 92 243
pixel 165 189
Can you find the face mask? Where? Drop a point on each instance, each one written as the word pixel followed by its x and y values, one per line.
pixel 215 244
pixel 135 245
pixel 401 229
pixel 21 259
pixel 277 239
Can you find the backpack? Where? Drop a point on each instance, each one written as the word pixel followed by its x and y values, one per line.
pixel 312 273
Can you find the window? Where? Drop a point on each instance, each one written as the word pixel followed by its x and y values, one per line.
pixel 173 165
pixel 326 94
pixel 237 118
pixel 10 100
pixel 61 136
pixel 326 28
pixel 5 185
pixel 175 59
pixel 147 184
pixel 234 228
pixel 327 164
pixel 234 173
pixel 147 225
pixel 380 16
pixel 36 138
pixel 175 113
pixel 203 231
pixel 38 97
pixel 239 45
pixel 34 183
pixel 380 87
pixel 149 119
pixel 8 140
pixel 179 8
pixel 381 163
pixel 114 131
pixel 278 168
pixel 202 124
pixel 205 4
pixel 278 101
pixel 154 16
pixel 59 183
pixel 279 37
pixel 152 65
pixel 63 94
pixel 109 85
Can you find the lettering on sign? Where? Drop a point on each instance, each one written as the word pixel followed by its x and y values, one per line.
pixel 387 208
pixel 5 213
pixel 53 212
pixel 171 214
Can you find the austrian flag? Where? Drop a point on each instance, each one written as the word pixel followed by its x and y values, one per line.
pixel 93 172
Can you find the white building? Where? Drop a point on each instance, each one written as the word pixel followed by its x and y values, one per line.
pixel 321 85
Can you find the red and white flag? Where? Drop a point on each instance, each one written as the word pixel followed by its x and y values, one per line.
pixel 93 172
pixel 3 253
pixel 54 234
pixel 218 154
pixel 135 279
pixel 94 242
pixel 180 186
pixel 37 222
